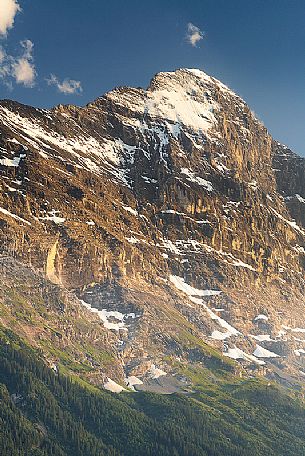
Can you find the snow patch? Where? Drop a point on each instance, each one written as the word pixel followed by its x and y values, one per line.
pixel 291 223
pixel 181 285
pixel 132 240
pixel 262 337
pixel 112 386
pixel 132 381
pixel 192 292
pixel 218 335
pixel 106 316
pixel 11 162
pixel 169 245
pixel 299 352
pixel 261 352
pixel 261 317
pixel 155 372
pixel 237 353
pixel 53 217
pixel 182 214
pixel 298 330
pixel 14 216
pixel 132 211
pixel 300 198
pixel 191 177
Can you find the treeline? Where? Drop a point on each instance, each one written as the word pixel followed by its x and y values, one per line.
pixel 43 413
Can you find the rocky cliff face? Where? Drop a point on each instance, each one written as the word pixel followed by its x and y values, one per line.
pixel 289 170
pixel 173 212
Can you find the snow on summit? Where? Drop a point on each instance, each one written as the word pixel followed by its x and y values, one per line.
pixel 177 98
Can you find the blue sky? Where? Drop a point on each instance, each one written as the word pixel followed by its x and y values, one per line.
pixel 257 47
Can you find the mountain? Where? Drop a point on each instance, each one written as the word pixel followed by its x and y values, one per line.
pixel 153 240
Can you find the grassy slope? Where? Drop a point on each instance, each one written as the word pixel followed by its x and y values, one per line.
pixel 55 415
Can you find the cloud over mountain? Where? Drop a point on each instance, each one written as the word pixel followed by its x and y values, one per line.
pixel 67 86
pixel 194 34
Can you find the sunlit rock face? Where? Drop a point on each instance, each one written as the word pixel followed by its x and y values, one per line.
pixel 112 199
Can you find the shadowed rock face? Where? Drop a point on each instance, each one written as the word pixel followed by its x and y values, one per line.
pixel 180 179
pixel 289 170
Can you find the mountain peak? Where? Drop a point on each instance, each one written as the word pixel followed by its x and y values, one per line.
pixel 172 201
pixel 183 77
pixel 187 97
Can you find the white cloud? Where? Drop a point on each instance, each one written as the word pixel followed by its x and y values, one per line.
pixel 21 69
pixel 24 72
pixel 67 86
pixel 9 9
pixel 28 47
pixel 24 68
pixel 194 34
